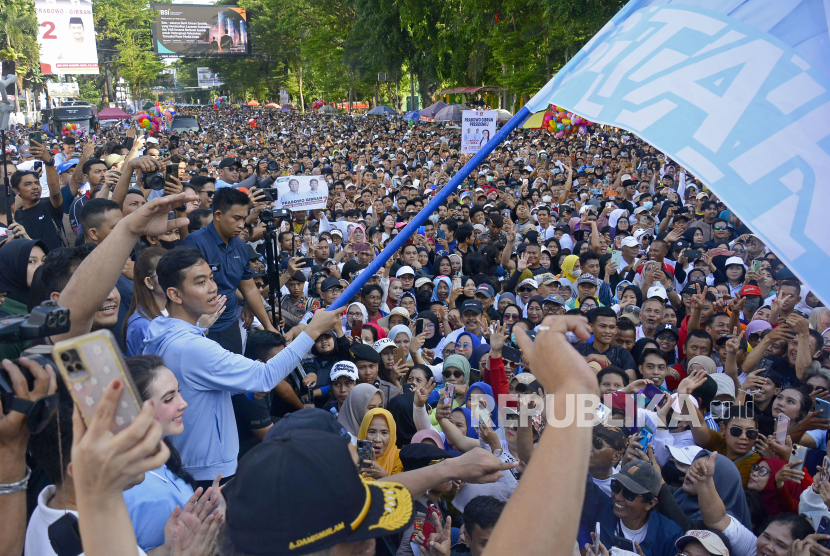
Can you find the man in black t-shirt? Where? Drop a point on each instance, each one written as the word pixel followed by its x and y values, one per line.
pixel 42 218
pixel 604 325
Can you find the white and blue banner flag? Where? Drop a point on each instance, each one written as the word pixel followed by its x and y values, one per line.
pixel 738 92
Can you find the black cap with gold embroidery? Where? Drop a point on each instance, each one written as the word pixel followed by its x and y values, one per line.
pixel 300 493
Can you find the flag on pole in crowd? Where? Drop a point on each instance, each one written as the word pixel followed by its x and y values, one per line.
pixel 738 92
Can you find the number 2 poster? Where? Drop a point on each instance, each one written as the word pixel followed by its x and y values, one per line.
pixel 66 37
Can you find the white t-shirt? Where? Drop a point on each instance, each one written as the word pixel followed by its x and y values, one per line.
pixel 37 533
pixel 604 484
pixel 743 542
pixel 636 535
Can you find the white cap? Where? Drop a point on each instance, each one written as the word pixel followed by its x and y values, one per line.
pixel 685 455
pixel 152 140
pixel 638 210
pixel 528 281
pixel 336 231
pixel 657 291
pixel 726 386
pixel 382 344
pixel 404 270
pixel 344 368
pixel 640 233
pixel 629 241
pixel 733 260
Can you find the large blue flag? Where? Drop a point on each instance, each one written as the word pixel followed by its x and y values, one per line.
pixel 734 90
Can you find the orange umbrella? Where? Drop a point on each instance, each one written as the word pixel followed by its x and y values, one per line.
pixel 272 105
pixel 252 103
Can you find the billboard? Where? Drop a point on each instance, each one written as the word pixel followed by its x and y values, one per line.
pixel 66 37
pixel 62 90
pixel 207 78
pixel 477 127
pixel 301 192
pixel 200 30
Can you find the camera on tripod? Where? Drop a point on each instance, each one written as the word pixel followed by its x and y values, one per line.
pixel 269 215
pixel 47 319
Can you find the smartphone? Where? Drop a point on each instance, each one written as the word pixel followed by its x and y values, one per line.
pixel 360 247
pixel 429 527
pixel 456 282
pixel 87 365
pixel 357 328
pixel 781 429
pixel 422 230
pixel 824 529
pixel 694 255
pixel 400 354
pixel 511 354
pixel 171 170
pixel 623 543
pixel 650 391
pixel 442 234
pixel 164 152
pixel 449 393
pixel 617 257
pixel 364 452
pixel 646 433
pixel 480 415
pixel 419 326
pixel 824 408
pixel 755 266
pixel 596 540
pixel 36 136
pixel 307 262
pixel 798 454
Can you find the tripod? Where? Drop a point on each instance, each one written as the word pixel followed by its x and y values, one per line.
pixel 272 272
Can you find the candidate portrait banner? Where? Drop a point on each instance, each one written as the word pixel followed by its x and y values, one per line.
pixel 66 37
pixel 736 92
pixel 301 192
pixel 477 127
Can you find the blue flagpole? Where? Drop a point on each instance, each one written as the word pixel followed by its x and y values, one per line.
pixel 431 207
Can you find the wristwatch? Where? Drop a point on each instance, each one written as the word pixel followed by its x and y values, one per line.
pixel 670 289
pixel 497 452
pixel 50 163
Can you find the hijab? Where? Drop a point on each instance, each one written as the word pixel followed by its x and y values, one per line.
pixel 397 329
pixel 568 267
pixel 354 408
pixel 431 343
pixel 487 390
pixel 312 283
pixel 730 489
pixel 14 262
pixel 471 432
pixel 390 301
pixel 815 316
pixel 615 216
pixel 428 267
pixel 438 279
pixel 473 340
pixel 625 284
pixel 478 353
pixel 770 497
pixel 389 460
pixel 406 294
pixel 402 408
pixel 706 362
pixel 459 362
pixel 362 308
pixel 359 227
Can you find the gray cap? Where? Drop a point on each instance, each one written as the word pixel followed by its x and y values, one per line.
pixel 640 478
pixel 555 299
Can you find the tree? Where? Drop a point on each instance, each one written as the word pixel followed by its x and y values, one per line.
pixel 18 37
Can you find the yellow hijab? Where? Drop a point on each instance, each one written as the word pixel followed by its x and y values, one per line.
pixel 390 459
pixel 568 266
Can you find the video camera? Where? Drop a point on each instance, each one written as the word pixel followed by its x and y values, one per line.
pixel 269 215
pixel 45 320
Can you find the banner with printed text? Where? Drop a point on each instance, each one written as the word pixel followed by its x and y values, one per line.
pixel 477 127
pixel 301 192
pixel 66 37
pixel 737 92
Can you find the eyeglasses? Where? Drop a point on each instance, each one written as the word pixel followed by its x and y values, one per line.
pixel 761 471
pixel 666 338
pixel 465 345
pixel 751 434
pixel 551 308
pixel 526 289
pixel 457 374
pixel 617 488
pixel 209 193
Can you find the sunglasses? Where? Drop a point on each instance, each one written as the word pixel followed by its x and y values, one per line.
pixel 721 228
pixel 761 471
pixel 526 289
pixel 209 193
pixel 617 488
pixel 512 317
pixel 751 434
pixel 456 374
pixel 465 345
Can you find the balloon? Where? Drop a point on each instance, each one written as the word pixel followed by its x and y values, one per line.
pixel 566 121
pixel 560 134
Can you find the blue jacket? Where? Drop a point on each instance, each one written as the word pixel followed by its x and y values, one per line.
pixel 208 375
pixel 661 535
pixel 151 503
pixel 136 331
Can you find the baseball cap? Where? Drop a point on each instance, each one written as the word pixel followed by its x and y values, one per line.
pixel 363 352
pixel 587 279
pixel 418 456
pixel 64 166
pixel 545 278
pixel 337 232
pixel 667 328
pixel 710 540
pixel 686 454
pixel 750 289
pixel 657 291
pixel 400 311
pixel 228 162
pixel 153 140
pixel 404 270
pixel 330 283
pixel 629 241
pixel 785 274
pixel 634 318
pixel 679 245
pixel 486 289
pixel 277 473
pixel 555 299
pixel 383 343
pixel 472 305
pixel 757 326
pixel 344 368
pixel 641 232
pixel 530 282
pixel 114 159
pixel 423 282
pixel 640 478
pixel 23 151
pixel 733 260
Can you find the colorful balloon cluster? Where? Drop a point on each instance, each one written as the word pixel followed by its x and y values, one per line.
pixel 71 128
pixel 562 123
pixel 153 119
pixel 317 104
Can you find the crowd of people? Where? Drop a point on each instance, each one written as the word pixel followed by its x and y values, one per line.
pixel 395 422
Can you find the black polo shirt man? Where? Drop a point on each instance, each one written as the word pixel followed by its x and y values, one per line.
pixel 604 325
